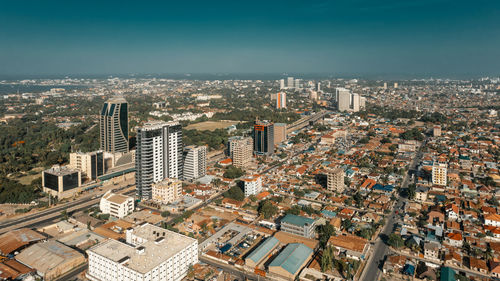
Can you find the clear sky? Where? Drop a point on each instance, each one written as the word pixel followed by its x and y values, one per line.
pixel 422 37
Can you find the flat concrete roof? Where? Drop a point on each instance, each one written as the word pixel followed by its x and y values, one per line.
pixel 155 252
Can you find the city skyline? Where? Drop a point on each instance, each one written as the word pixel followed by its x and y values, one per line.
pixel 433 38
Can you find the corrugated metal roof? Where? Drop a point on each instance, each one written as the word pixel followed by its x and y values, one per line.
pixel 297 220
pixel 263 249
pixel 292 257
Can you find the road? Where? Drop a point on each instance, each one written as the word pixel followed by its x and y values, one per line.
pixel 240 274
pixel 46 216
pixel 380 249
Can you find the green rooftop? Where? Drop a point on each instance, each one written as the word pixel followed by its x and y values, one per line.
pixel 297 220
pixel 263 249
pixel 292 257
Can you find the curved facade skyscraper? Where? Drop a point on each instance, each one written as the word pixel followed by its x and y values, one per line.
pixel 114 125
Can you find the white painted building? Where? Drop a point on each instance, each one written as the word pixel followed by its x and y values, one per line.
pixel 195 162
pixel 253 185
pixel 439 174
pixel 167 191
pixel 158 155
pixel 117 205
pixel 151 253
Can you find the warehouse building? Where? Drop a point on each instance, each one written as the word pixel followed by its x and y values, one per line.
pixel 261 252
pixel 290 261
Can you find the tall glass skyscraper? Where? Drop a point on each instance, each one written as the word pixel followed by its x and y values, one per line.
pixel 263 138
pixel 114 125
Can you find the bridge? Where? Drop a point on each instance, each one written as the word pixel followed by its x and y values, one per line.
pixel 305 121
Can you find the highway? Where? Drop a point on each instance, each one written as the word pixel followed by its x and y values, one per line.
pixel 44 217
pixel 304 121
pixel 380 249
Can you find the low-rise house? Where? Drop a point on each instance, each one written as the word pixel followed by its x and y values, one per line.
pixel 431 250
pixel 352 246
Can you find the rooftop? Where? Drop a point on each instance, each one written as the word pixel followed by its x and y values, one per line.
pixel 263 249
pixel 160 244
pixel 18 238
pixel 292 257
pixel 297 220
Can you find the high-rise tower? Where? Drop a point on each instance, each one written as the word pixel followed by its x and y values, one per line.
pixel 113 124
pixel 263 138
pixel 158 155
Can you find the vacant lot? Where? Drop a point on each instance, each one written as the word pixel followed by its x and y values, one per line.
pixel 211 125
pixel 26 180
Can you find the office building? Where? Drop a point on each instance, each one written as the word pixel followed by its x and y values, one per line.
pixel 395 85
pixel 91 164
pixel 195 162
pixel 343 99
pixel 167 191
pixel 290 83
pixel 158 155
pixel 335 180
pixel 385 85
pixel 240 149
pixel 113 123
pixel 318 87
pixel 298 225
pixel 362 103
pixel 252 185
pixel 356 102
pixel 436 131
pixel 298 84
pixel 151 253
pixel 281 100
pixel 61 179
pixel 279 133
pixel 263 138
pixel 439 174
pixel 282 84
pixel 116 205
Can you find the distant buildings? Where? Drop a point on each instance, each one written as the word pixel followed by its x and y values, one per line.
pixel 298 225
pixel 343 99
pixel 439 174
pixel 282 84
pixel 167 191
pixel 240 150
pixel 117 205
pixel 263 138
pixel 91 164
pixel 195 162
pixel 347 101
pixel 252 185
pixel 290 82
pixel 158 155
pixel 279 133
pixel 436 131
pixel 151 253
pixel 281 100
pixel 113 123
pixel 335 180
pixel 60 181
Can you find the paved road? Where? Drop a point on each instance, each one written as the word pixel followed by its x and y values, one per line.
pixel 380 249
pixel 240 274
pixel 43 217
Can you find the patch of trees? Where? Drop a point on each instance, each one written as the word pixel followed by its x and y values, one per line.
pixel 233 172
pixel 215 139
pixel 267 209
pixel 413 134
pixel 235 193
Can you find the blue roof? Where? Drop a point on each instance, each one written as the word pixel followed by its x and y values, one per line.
pixel 226 248
pixel 297 220
pixel 328 214
pixel 447 274
pixel 292 257
pixel 386 188
pixel 409 269
pixel 263 249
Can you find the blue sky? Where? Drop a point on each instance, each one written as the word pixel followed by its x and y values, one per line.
pixel 414 37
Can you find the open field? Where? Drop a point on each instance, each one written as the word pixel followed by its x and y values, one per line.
pixel 26 180
pixel 211 125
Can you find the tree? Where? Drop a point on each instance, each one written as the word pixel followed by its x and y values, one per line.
pixel 395 240
pixel 165 214
pixel 64 215
pixel 327 259
pixel 294 210
pixel 267 209
pixel 235 193
pixel 299 193
pixel 324 231
pixel 233 172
